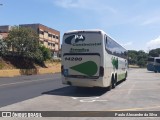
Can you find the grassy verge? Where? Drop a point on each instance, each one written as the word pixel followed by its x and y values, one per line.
pixel 134 66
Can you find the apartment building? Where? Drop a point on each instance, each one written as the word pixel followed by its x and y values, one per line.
pixel 48 37
pixel 4 31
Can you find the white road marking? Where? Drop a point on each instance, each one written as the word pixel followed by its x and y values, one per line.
pixel 88 99
pixel 25 82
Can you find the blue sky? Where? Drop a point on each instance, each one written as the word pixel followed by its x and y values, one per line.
pixel 135 24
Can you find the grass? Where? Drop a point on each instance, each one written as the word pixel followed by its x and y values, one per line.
pixel 7 63
pixel 134 66
pixel 1 66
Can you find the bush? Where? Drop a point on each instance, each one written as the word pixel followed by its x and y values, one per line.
pixel 45 52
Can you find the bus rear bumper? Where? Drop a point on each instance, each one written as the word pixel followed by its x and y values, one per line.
pixel 83 82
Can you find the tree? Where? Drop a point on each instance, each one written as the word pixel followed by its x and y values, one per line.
pixel 142 58
pixel 132 55
pixel 141 63
pixel 24 42
pixel 137 58
pixel 154 52
pixel 46 52
pixel 3 47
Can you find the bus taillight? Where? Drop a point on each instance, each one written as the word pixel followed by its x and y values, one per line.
pixel 62 69
pixel 101 71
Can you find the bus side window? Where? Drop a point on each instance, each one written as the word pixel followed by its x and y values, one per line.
pixel 106 39
pixel 106 43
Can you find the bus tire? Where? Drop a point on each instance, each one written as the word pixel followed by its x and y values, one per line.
pixel 114 81
pixel 125 76
pixel 111 83
pixel 155 71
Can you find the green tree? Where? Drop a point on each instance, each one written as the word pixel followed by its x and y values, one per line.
pixel 46 53
pixel 132 57
pixel 24 42
pixel 142 58
pixel 137 58
pixel 141 63
pixel 154 52
pixel 3 47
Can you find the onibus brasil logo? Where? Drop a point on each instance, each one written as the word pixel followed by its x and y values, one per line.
pixel 74 39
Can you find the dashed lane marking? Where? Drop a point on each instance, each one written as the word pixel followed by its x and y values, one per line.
pixel 37 80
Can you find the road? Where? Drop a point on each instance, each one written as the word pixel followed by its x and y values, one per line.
pixel 140 92
pixel 16 89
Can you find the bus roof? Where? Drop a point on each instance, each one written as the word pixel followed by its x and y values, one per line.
pixel 89 30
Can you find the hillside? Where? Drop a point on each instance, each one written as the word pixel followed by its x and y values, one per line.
pixel 21 63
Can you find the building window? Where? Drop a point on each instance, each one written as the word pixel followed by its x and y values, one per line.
pixel 41 32
pixel 49 35
pixel 53 36
pixel 49 44
pixel 46 31
pixel 56 37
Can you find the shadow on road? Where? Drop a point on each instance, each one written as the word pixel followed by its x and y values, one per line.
pixel 77 91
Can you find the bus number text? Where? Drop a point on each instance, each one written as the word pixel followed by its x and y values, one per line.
pixel 73 58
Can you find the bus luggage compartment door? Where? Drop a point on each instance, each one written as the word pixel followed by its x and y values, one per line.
pixel 81 66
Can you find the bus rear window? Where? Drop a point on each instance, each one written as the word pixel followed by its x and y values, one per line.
pixel 158 60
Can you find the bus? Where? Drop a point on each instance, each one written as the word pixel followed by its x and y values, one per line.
pixel 90 58
pixel 150 64
pixel 153 64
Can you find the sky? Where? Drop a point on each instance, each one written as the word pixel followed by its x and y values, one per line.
pixel 135 24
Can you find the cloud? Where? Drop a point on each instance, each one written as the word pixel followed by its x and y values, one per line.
pixel 153 43
pixel 67 3
pixel 154 20
pixel 127 44
pixel 84 4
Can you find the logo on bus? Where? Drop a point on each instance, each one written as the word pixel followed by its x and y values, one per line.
pixel 115 62
pixel 74 39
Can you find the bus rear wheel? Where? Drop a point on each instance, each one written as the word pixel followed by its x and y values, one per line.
pixel 125 76
pixel 155 71
pixel 113 83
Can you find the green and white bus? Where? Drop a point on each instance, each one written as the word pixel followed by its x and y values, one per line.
pixel 90 58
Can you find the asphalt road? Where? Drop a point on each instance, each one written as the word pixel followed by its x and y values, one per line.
pixel 16 89
pixel 140 92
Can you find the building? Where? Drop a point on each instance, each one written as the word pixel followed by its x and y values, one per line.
pixel 4 31
pixel 48 37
